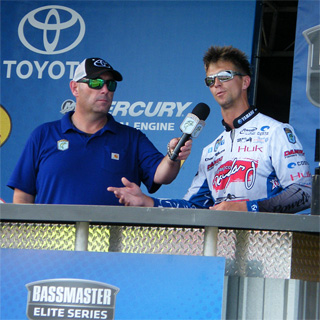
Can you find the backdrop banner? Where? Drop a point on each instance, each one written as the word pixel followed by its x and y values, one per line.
pixel 157 46
pixel 40 284
pixel 305 97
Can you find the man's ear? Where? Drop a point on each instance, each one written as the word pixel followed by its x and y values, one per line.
pixel 74 88
pixel 246 82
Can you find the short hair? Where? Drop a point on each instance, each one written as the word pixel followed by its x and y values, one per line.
pixel 230 54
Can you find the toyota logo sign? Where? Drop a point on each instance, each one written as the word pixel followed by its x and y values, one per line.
pixel 51 30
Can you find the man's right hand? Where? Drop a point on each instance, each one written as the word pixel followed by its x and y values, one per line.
pixel 131 195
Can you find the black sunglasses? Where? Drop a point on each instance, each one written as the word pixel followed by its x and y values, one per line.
pixel 99 83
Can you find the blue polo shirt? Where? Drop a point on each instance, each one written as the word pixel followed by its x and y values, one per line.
pixel 63 165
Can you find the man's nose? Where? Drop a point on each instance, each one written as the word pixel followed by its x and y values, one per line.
pixel 217 82
pixel 105 88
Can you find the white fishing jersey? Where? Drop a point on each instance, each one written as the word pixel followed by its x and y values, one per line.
pixel 260 161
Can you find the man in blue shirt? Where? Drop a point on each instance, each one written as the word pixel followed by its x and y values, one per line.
pixel 74 160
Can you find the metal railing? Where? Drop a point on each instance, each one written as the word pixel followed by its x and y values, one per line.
pixel 274 256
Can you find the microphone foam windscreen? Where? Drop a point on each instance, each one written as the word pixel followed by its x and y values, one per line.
pixel 201 110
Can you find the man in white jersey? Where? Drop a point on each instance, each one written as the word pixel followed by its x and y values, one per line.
pixel 255 164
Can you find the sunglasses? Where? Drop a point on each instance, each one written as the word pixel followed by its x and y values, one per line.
pixel 223 76
pixel 99 83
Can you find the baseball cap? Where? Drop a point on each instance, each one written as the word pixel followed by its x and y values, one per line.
pixel 93 67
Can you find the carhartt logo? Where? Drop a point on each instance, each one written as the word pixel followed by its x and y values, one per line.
pixel 63 144
pixel 115 156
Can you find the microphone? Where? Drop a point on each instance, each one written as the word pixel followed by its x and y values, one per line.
pixel 191 126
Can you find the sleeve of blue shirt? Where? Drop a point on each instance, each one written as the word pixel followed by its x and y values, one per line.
pixel 25 173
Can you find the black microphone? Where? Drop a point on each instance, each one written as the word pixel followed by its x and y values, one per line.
pixel 191 126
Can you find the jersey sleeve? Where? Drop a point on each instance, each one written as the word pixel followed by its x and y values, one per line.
pixel 198 195
pixel 292 171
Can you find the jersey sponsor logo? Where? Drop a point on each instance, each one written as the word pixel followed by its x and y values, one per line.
pixel 240 171
pixel 274 183
pixel 230 197
pixel 264 128
pixel 300 175
pixel 219 152
pixel 292 165
pixel 214 163
pixel 250 149
pixel 248 131
pixel 219 142
pixel 291 137
pixel 301 198
pixel 293 153
pixel 244 140
pixel 254 208
pixel 65 24
pixel 63 145
pixel 260 140
pixel 264 131
pixel 246 117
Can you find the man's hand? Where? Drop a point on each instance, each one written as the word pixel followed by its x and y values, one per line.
pixel 231 206
pixel 168 170
pixel 131 195
pixel 185 150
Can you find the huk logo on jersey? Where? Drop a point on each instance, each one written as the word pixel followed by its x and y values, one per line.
pixel 71 299
pixel 240 171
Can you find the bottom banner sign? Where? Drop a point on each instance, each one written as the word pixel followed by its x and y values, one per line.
pixel 43 284
pixel 70 298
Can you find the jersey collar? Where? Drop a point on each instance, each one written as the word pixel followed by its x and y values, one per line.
pixel 242 119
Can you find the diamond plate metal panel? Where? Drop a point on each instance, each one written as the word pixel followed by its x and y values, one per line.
pixel 252 253
pixel 130 239
pixel 98 239
pixel 184 241
pixel 37 236
pixel 248 253
pixel 306 257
